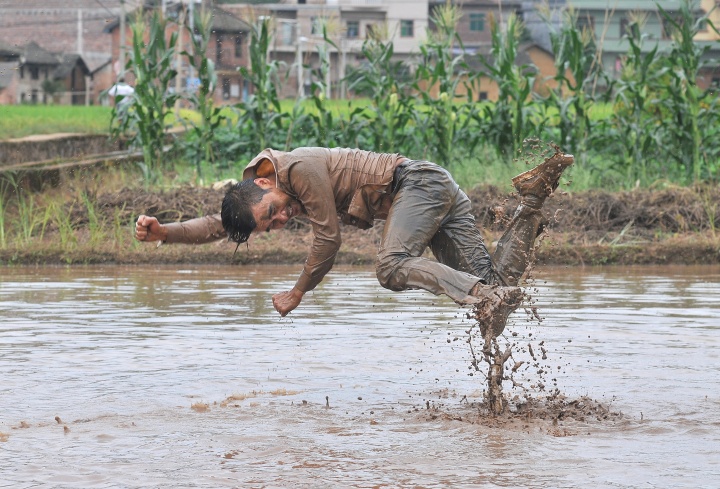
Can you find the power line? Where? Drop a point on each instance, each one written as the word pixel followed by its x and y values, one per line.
pixel 103 6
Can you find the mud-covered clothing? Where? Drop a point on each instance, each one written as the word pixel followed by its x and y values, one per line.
pixel 421 204
pixel 351 183
pixel 430 210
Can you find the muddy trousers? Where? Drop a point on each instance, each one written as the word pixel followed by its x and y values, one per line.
pixel 430 210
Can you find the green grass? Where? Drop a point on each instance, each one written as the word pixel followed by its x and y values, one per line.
pixel 17 121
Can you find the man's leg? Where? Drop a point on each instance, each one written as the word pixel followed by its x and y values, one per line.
pixel 426 197
pixel 459 244
pixel 515 247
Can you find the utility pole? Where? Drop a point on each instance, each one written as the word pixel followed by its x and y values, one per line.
pixel 191 73
pixel 79 31
pixel 178 59
pixel 121 58
pixel 343 68
pixel 327 76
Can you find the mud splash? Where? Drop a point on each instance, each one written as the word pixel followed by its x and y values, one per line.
pixel 534 401
pixel 496 358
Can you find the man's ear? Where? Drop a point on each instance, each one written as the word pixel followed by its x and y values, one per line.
pixel 264 183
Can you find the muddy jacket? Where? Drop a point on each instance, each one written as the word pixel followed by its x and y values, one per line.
pixel 354 184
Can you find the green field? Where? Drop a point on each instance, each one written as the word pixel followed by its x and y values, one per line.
pixel 17 121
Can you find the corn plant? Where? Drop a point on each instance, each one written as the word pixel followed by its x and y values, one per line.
pixel 693 110
pixel 202 99
pixel 321 126
pixel 512 118
pixel 630 128
pixel 260 118
pixel 142 114
pixel 576 71
pixel 444 122
pixel 392 109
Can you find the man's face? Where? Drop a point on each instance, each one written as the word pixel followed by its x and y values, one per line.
pixel 274 210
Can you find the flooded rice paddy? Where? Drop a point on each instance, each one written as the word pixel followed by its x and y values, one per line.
pixel 159 377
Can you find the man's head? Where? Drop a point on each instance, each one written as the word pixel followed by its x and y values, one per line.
pixel 256 206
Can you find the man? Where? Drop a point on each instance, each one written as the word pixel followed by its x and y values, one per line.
pixel 422 207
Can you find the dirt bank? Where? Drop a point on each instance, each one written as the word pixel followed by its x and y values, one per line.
pixel 668 226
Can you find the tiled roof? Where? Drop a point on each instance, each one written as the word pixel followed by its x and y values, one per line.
pixel 8 50
pixel 32 53
pixel 63 4
pixel 67 63
pixel 222 20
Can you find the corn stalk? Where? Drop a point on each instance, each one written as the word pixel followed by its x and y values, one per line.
pixel 202 98
pixel 260 117
pixel 142 114
pixel 509 120
pixel 693 109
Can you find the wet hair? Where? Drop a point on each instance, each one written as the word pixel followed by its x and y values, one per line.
pixel 237 217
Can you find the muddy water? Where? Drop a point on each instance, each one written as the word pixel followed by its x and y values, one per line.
pixel 132 377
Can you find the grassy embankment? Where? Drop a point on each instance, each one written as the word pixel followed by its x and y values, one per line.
pixel 89 219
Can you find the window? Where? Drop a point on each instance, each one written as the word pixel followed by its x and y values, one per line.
pixel 238 46
pixel 406 28
pixel 22 73
pixel 226 88
pixel 483 96
pixel 353 29
pixel 715 82
pixel 218 49
pixel 477 22
pixel 703 25
pixel 301 2
pixel 316 26
pixel 34 73
pixel 370 31
pixel 624 25
pixel 34 96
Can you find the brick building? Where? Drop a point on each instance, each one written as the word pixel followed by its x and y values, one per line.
pixel 227 48
pixel 64 27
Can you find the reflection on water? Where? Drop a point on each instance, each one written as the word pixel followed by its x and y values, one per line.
pixel 333 395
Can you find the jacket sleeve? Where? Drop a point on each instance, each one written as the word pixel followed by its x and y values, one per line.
pixel 196 231
pixel 311 183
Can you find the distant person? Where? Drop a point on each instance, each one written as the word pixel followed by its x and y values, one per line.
pixel 422 207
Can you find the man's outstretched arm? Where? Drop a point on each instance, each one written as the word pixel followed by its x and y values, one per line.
pixel 194 231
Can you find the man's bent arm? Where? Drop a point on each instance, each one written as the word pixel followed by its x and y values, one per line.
pixel 312 185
